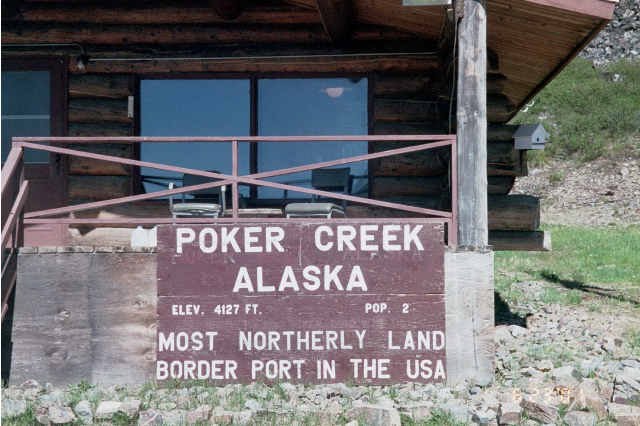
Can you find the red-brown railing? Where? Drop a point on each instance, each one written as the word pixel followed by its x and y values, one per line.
pixel 14 192
pixel 234 179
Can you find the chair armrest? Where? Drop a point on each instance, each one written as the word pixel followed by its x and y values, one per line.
pixel 171 186
pixel 223 199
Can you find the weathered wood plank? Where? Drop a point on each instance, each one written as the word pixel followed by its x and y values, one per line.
pixel 85 316
pixel 95 188
pixel 520 240
pixel 423 127
pixel 500 185
pixel 99 111
pixel 336 17
pixel 100 86
pixel 514 213
pixel 499 108
pixel 410 86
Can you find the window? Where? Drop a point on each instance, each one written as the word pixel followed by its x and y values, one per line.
pixel 223 107
pixel 193 108
pixel 308 107
pixel 26 110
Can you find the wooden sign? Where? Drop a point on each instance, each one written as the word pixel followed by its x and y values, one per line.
pixel 302 301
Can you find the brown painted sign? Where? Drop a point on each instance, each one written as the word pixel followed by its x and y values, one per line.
pixel 302 301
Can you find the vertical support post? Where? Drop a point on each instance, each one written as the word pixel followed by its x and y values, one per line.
pixel 472 125
pixel 453 184
pixel 234 185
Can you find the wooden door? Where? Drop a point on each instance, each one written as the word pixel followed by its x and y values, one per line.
pixel 34 104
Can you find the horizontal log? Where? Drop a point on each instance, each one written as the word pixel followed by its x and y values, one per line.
pixel 159 13
pixel 514 213
pixel 95 188
pixel 500 185
pixel 346 64
pixel 88 166
pixel 502 160
pixel 100 86
pixel 414 86
pixel 100 129
pixel 501 132
pixel 408 110
pixel 435 127
pixel 365 211
pixel 181 34
pixel 385 187
pixel 98 110
pixel 520 240
pixel 499 108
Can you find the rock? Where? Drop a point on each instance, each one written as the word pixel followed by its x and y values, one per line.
pixel 502 334
pixel 174 418
pixel 13 408
pixel 566 376
pixel 417 411
pixel 200 414
pixel 587 397
pixel 580 418
pixel 42 415
pixel 625 415
pixel 544 365
pixel 83 411
pixel 253 405
pixel 509 413
pixel 31 389
pixel 150 418
pixel 538 410
pixel 222 417
pixel 517 331
pixel 458 410
pixel 106 409
pixel 626 389
pixel 374 415
pixel 130 407
pixel 484 416
pixel 61 415
pixel 352 423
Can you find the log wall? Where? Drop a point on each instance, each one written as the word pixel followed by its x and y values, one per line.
pixel 409 94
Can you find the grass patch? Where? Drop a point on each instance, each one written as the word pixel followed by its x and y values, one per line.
pixel 585 109
pixel 438 418
pixel 584 263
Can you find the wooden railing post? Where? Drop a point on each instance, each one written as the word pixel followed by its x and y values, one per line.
pixel 234 173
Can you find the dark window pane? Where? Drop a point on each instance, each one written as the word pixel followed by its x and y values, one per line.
pixel 331 106
pixel 194 108
pixel 26 107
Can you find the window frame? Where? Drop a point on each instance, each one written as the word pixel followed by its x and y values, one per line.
pixel 253 79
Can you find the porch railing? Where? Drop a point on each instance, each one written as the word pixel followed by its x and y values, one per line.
pixel 53 145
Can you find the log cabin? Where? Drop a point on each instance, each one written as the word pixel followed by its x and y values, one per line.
pixel 163 82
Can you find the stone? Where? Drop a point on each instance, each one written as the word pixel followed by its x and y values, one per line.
pixel 83 411
pixel 580 418
pixel 502 334
pixel 626 388
pixel 544 365
pixel 374 415
pixel 540 411
pixel 458 410
pixel 416 411
pixel 565 376
pixel 253 405
pixel 352 423
pixel 517 331
pixel 13 407
pixel 130 407
pixel 199 415
pixel 587 397
pixel 106 409
pixel 484 416
pixel 174 418
pixel 150 418
pixel 61 415
pixel 509 413
pixel 625 415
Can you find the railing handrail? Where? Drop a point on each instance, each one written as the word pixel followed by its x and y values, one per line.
pixel 16 211
pixel 234 179
pixel 166 139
